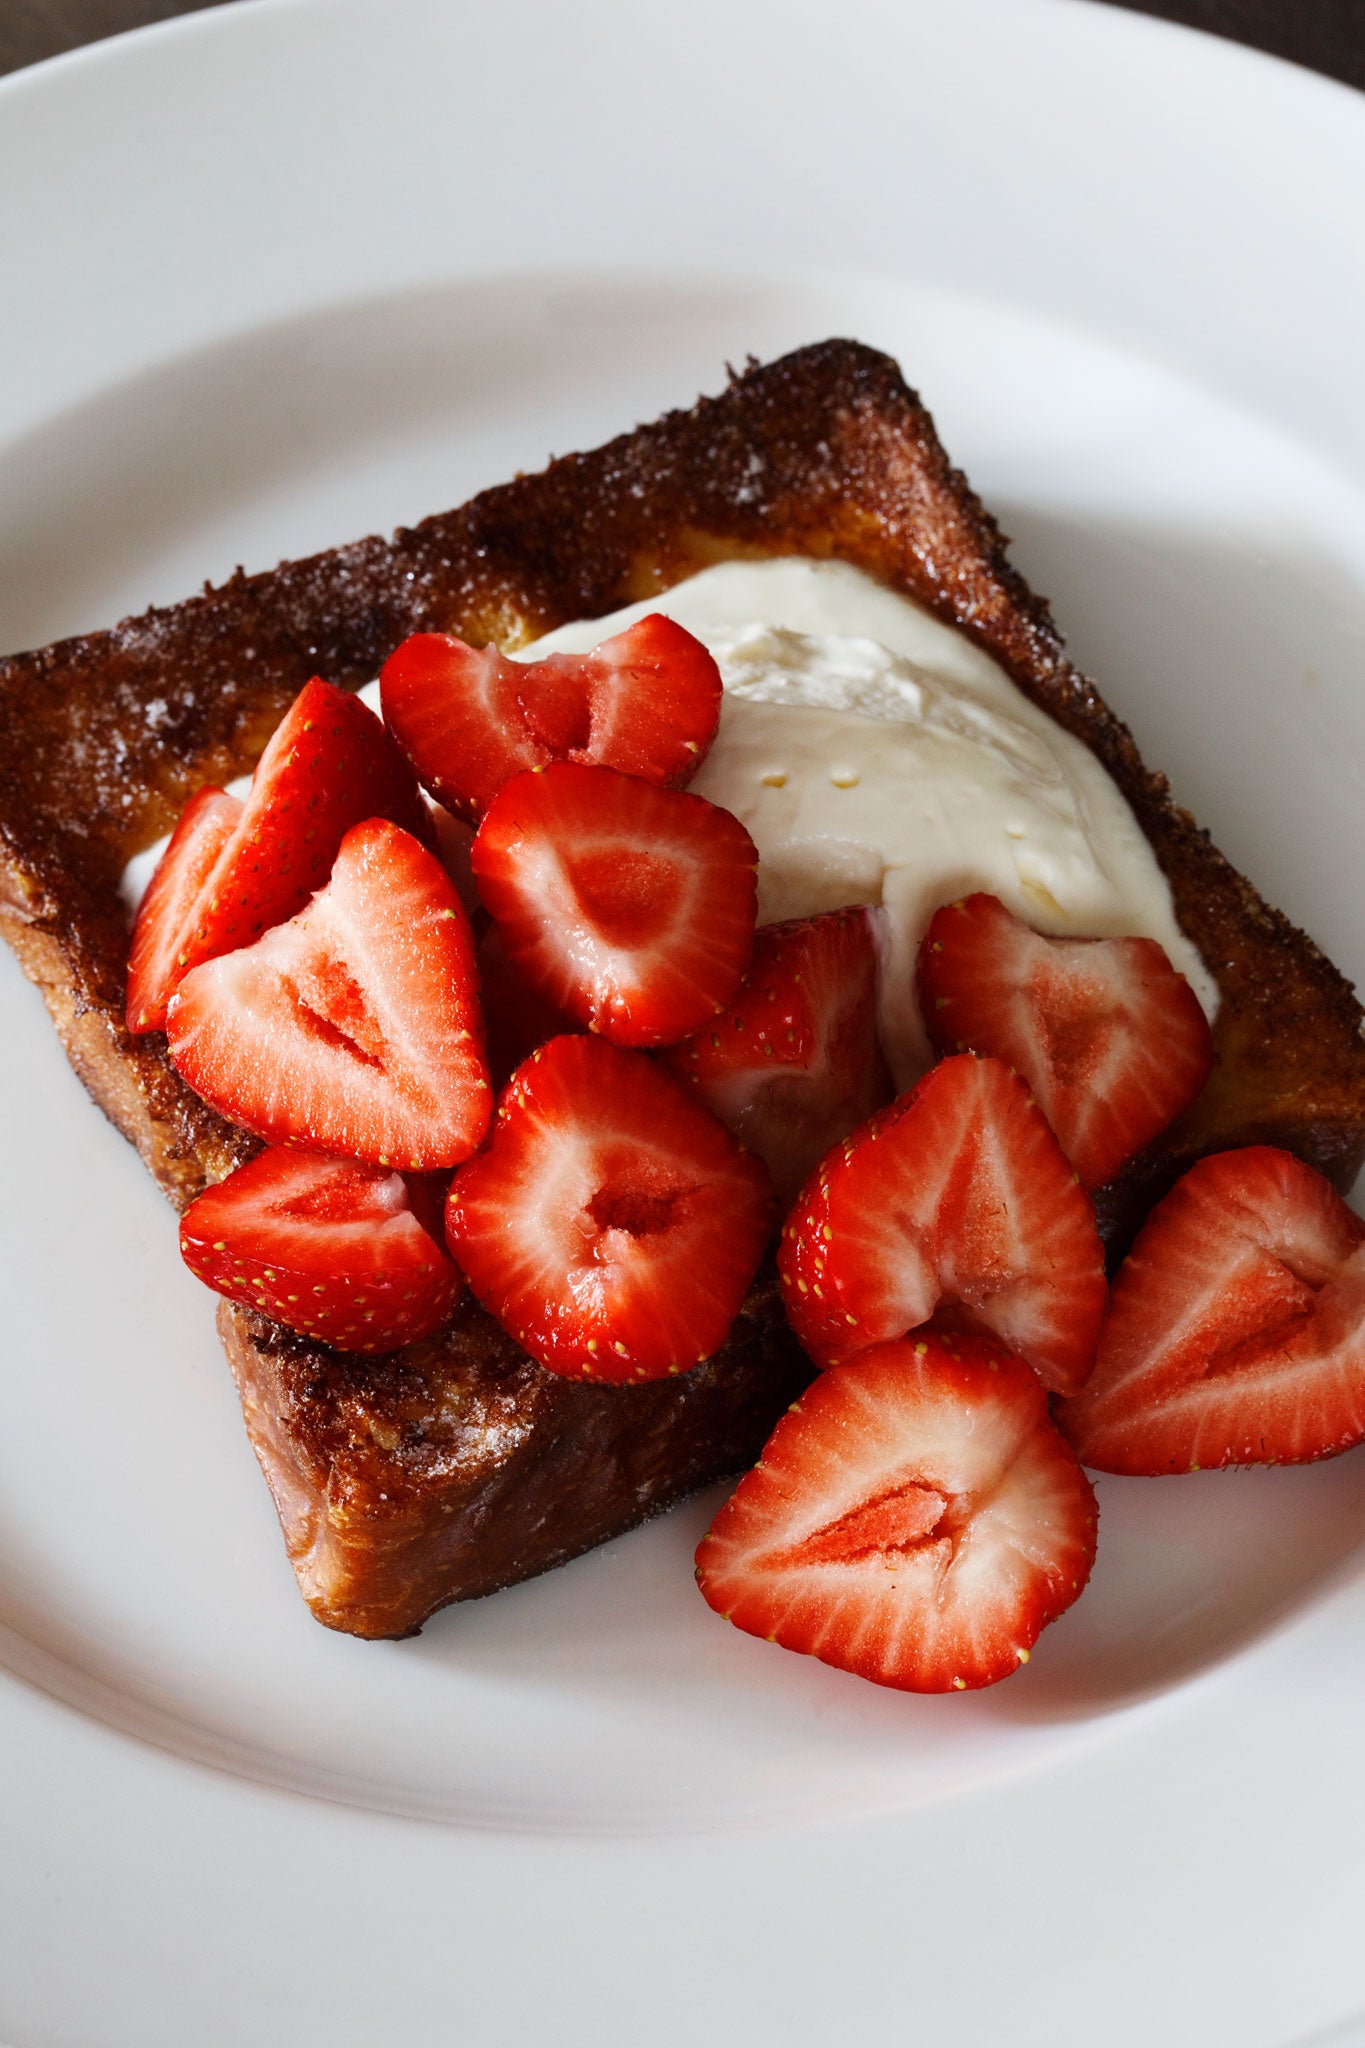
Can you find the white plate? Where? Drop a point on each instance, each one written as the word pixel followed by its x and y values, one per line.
pixel 291 270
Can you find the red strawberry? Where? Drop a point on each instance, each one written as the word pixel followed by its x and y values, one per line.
pixel 955 1199
pixel 646 701
pixel 628 907
pixel 166 914
pixel 1236 1329
pixel 1109 1037
pixel 355 1028
pixel 915 1518
pixel 327 1246
pixel 329 765
pixel 794 1063
pixel 612 1226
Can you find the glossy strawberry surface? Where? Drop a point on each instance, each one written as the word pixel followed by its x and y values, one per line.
pixel 794 1064
pixel 955 1199
pixel 1111 1040
pixel 329 1247
pixel 646 701
pixel 914 1519
pixel 166 916
pixel 355 1028
pixel 329 765
pixel 1236 1329
pixel 612 1226
pixel 628 908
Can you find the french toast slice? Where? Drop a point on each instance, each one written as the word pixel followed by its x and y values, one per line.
pixel 457 1466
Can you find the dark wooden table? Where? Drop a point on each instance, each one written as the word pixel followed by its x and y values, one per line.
pixel 1326 35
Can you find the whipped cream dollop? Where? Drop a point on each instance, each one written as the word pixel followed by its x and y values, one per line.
pixel 877 756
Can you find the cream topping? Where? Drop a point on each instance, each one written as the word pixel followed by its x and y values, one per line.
pixel 877 756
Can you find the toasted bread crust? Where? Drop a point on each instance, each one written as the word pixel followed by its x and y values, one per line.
pixel 458 1466
pixel 825 453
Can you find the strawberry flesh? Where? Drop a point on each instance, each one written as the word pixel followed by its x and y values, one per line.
pixel 626 907
pixel 354 1029
pixel 646 701
pixel 915 1519
pixel 954 1201
pixel 329 765
pixel 794 1064
pixel 612 1226
pixel 329 1247
pixel 1236 1327
pixel 1109 1037
pixel 167 911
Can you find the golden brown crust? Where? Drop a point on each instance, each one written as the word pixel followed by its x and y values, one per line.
pixel 458 1466
pixel 824 453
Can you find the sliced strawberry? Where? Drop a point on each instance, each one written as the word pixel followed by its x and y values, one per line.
pixel 612 1226
pixel 646 701
pixel 329 766
pixel 794 1064
pixel 628 907
pixel 1236 1328
pixel 515 1021
pixel 955 1200
pixel 166 912
pixel 355 1028
pixel 330 1247
pixel 1109 1037
pixel 915 1518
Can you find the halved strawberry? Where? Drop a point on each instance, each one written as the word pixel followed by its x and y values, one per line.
pixel 328 1246
pixel 794 1064
pixel 1109 1037
pixel 166 912
pixel 329 765
pixel 915 1519
pixel 628 907
pixel 646 701
pixel 1236 1328
pixel 955 1199
pixel 355 1028
pixel 611 1226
